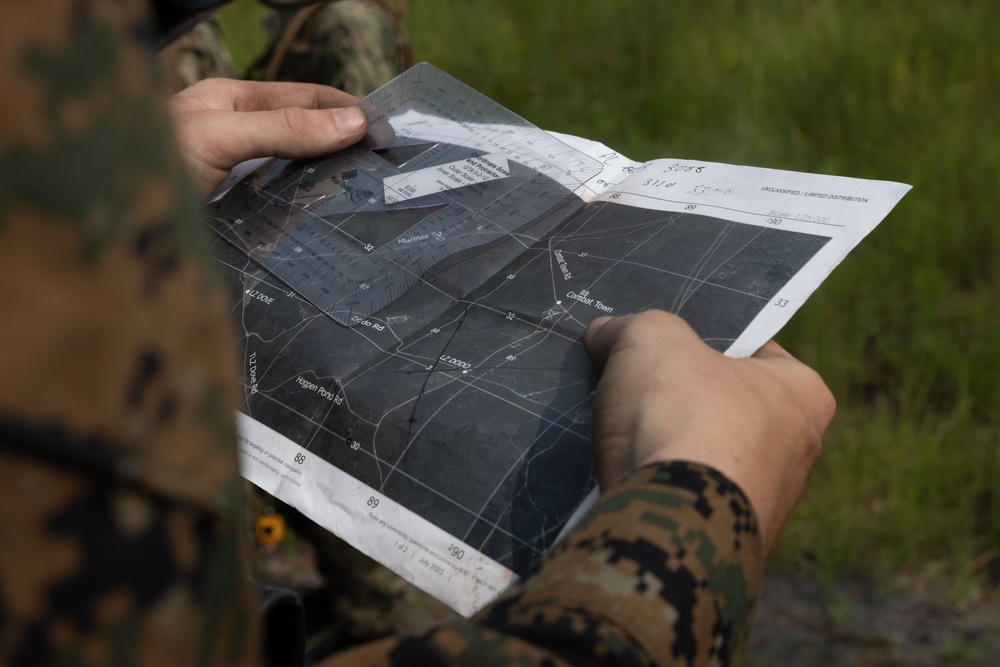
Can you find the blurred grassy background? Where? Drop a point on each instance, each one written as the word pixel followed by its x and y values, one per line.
pixel 906 331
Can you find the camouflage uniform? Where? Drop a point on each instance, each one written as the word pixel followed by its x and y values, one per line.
pixel 664 570
pixel 200 53
pixel 353 45
pixel 119 493
pixel 118 485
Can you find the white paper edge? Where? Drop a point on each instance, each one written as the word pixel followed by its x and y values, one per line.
pixel 368 520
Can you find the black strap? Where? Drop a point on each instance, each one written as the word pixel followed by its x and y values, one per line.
pixel 283 623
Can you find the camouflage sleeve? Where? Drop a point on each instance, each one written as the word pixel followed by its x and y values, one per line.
pixel 664 570
pixel 118 488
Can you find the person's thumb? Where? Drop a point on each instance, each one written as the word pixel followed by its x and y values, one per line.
pixel 295 132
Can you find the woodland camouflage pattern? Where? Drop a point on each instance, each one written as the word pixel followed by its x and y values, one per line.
pixel 353 45
pixel 119 494
pixel 118 486
pixel 664 570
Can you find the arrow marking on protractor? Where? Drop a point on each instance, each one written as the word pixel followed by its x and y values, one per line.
pixel 353 231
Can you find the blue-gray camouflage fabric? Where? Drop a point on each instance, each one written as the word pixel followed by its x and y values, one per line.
pixel 119 492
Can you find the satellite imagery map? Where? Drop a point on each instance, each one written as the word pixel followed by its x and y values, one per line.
pixel 411 313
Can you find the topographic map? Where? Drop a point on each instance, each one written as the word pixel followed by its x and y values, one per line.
pixel 411 315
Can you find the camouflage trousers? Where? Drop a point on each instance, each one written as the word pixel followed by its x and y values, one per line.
pixel 353 45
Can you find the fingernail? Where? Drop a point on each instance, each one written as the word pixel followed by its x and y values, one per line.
pixel 349 120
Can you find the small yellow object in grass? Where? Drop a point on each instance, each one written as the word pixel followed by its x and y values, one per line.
pixel 270 529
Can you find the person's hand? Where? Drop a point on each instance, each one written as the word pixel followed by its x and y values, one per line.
pixel 666 395
pixel 222 122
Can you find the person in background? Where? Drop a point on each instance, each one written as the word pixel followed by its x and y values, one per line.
pixel 351 45
pixel 121 498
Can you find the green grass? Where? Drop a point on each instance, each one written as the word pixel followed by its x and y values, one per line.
pixel 906 332
pixel 243 26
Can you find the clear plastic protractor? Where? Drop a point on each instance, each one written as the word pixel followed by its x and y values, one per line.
pixel 443 171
